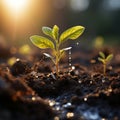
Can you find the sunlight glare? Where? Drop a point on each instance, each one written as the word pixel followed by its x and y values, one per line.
pixel 15 5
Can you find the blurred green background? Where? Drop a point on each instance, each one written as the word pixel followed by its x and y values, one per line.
pixel 99 17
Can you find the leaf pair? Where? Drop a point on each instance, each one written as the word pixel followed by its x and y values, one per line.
pixel 105 59
pixel 43 42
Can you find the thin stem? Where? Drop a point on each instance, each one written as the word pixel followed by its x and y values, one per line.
pixel 57 58
pixel 104 69
pixel 57 68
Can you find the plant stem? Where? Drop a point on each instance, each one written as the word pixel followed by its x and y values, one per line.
pixel 57 58
pixel 104 69
pixel 57 68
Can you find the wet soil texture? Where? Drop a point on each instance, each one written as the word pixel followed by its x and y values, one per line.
pixel 30 89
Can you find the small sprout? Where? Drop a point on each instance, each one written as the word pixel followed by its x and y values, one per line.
pixel 55 42
pixel 104 59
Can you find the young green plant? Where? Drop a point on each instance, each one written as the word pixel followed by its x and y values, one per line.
pixel 104 59
pixel 55 41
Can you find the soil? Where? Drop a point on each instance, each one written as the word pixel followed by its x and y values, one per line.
pixel 30 90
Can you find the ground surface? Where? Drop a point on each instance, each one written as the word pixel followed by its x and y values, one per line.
pixel 29 90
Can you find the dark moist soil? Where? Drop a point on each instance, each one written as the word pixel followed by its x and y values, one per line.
pixel 29 90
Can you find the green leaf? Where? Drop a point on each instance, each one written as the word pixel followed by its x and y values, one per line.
pixel 101 60
pixel 72 33
pixel 102 55
pixel 55 32
pixel 42 42
pixel 109 57
pixel 47 31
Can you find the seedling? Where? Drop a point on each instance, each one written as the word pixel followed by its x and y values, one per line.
pixel 104 59
pixel 55 41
